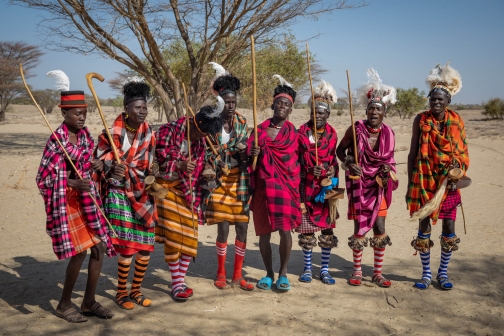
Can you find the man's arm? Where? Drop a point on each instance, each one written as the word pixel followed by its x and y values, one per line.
pixel 415 136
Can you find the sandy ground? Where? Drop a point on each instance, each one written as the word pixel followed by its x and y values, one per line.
pixel 31 277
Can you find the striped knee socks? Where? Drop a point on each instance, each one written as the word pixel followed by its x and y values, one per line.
pixel 184 262
pixel 445 258
pixel 378 261
pixel 326 253
pixel 123 267
pixel 240 249
pixel 307 260
pixel 425 258
pixel 357 259
pixel 141 263
pixel 221 258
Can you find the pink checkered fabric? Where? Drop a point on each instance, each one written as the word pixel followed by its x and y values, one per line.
pixel 450 204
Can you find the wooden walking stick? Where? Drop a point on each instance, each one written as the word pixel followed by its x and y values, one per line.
pixel 356 154
pixel 89 79
pixel 315 135
pixel 254 99
pixel 62 147
pixel 189 152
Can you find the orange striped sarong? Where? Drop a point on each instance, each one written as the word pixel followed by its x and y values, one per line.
pixel 223 204
pixel 83 237
pixel 175 225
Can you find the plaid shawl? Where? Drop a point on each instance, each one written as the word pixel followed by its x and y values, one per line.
pixel 168 144
pixel 137 160
pixel 52 182
pixel 229 149
pixel 434 158
pixel 365 194
pixel 278 166
pixel 318 212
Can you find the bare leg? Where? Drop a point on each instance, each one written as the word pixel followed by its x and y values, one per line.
pixel 285 250
pixel 241 232
pixel 72 272
pixel 222 232
pixel 265 248
pixel 94 270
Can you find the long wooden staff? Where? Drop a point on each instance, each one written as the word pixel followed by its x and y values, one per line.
pixel 62 147
pixel 356 154
pixel 315 135
pixel 254 99
pixel 89 79
pixel 189 152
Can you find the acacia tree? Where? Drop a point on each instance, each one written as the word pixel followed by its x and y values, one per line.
pixel 222 30
pixel 47 99
pixel 11 54
pixel 408 103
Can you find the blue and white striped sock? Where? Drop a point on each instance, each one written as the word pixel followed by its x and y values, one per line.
pixel 445 258
pixel 425 258
pixel 326 253
pixel 307 260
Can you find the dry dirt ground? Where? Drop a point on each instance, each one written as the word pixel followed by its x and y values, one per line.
pixel 31 277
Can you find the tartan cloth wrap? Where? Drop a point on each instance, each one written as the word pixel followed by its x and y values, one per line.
pixel 229 149
pixel 137 160
pixel 278 166
pixel 52 183
pixel 317 211
pixel 365 195
pixel 169 139
pixel 434 158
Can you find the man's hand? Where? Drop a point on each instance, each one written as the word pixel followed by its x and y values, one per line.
pixel 330 172
pixel 317 171
pixel 354 169
pixel 97 165
pixel 118 171
pixel 186 166
pixel 80 185
pixel 255 151
pixel 221 163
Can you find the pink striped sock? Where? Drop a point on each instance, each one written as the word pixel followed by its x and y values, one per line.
pixel 357 259
pixel 185 260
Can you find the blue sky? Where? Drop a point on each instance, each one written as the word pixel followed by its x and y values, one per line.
pixel 401 39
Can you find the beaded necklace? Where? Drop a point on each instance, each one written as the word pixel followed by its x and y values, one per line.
pixel 373 130
pixel 131 129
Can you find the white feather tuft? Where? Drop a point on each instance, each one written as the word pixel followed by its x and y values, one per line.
pixel 386 93
pixel 133 79
pixel 326 91
pixel 448 76
pixel 218 109
pixel 282 81
pixel 219 69
pixel 61 79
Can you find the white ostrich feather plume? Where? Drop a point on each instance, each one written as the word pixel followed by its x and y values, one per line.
pixel 61 79
pixel 326 91
pixel 282 81
pixel 386 93
pixel 219 69
pixel 448 76
pixel 218 109
pixel 133 79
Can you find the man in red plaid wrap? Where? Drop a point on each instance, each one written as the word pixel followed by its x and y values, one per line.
pixel 275 201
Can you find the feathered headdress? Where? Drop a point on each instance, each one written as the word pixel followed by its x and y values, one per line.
pixel 445 78
pixel 374 91
pixel 61 79
pixel 324 95
pixel 223 82
pixel 284 90
pixel 207 119
pixel 69 99
pixel 135 88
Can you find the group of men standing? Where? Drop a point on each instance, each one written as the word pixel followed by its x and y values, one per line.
pixel 207 170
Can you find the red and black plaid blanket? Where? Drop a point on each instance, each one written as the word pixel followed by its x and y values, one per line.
pixel 278 166
pixel 137 160
pixel 318 212
pixel 169 140
pixel 52 182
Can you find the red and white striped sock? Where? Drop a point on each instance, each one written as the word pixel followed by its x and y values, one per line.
pixel 240 249
pixel 378 261
pixel 357 259
pixel 221 258
pixel 184 262
pixel 177 279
